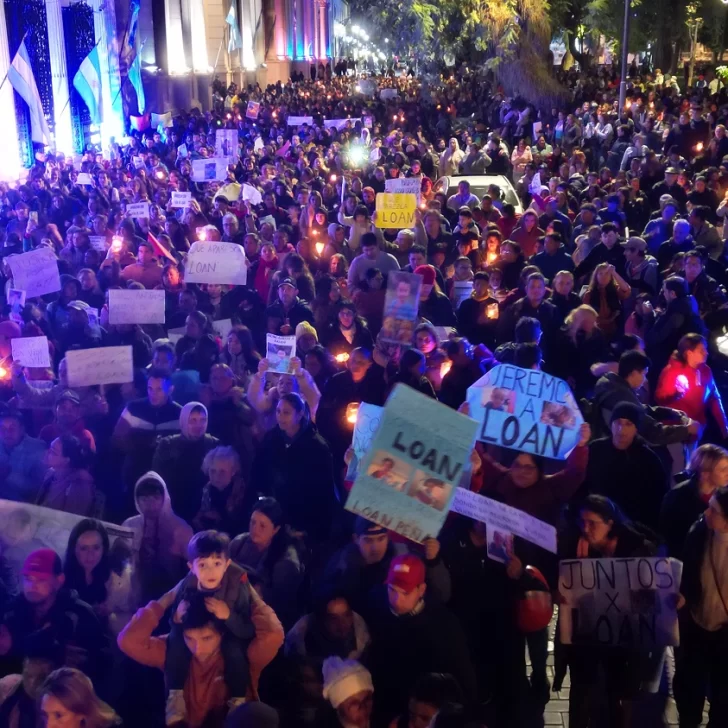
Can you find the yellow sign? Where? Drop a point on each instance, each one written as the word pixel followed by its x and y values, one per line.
pixel 396 210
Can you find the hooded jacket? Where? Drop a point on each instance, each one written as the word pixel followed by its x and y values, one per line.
pixel 681 508
pixel 680 318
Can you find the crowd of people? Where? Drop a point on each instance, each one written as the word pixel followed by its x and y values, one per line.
pixel 239 590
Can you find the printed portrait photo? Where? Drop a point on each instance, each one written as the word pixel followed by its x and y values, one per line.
pixel 500 544
pixel 389 470
pixel 499 398
pixel 558 415
pixel 429 490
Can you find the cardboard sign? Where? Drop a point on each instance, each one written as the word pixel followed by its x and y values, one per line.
pixel 209 170
pixel 407 479
pixel 226 144
pixel 504 518
pixel 405 185
pixel 136 307
pixel 103 365
pixel 181 199
pixel 98 242
pixel 138 210
pixel 299 120
pixel 526 410
pixel 279 350
pixel 252 195
pixel 252 110
pixel 31 351
pixel 35 272
pixel 628 602
pixel 395 211
pixel 400 308
pixel 461 292
pixel 222 263
pixel 340 124
pixel 368 417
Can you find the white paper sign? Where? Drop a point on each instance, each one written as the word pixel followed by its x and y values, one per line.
pixel 226 144
pixel 222 328
pixel 182 151
pixel 98 242
pixel 181 199
pixel 535 186
pixel 222 263
pixel 405 185
pixel 31 351
pixel 83 178
pixel 209 170
pixel 35 272
pixel 251 194
pixel 258 145
pixel 103 365
pixel 138 162
pixel 136 307
pixel 504 518
pixel 461 291
pixel 279 352
pixel 138 210
pixel 299 120
pixel 340 124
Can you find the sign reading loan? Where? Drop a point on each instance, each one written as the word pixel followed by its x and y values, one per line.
pixel 395 210
pixel 526 410
pixel 406 480
pixel 222 263
pixel 628 602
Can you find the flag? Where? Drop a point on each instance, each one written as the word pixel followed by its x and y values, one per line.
pixel 139 123
pixel 135 77
pixel 87 82
pixel 163 120
pixel 159 249
pixel 20 75
pixel 235 41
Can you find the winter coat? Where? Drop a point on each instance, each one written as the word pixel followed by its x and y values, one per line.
pixel 681 508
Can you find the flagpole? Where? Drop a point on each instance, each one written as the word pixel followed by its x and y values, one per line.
pixel 11 62
pixel 68 101
pixel 217 58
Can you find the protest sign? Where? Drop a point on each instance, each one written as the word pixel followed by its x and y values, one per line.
pixel 526 410
pixel 222 263
pixel 404 185
pixel 136 307
pixel 252 195
pixel 417 455
pixel 83 178
pixel 367 86
pixel 222 328
pixel 103 365
pixel 35 272
pixel 461 291
pixel 627 602
pixel 138 162
pixel 279 352
pixel 252 110
pixel 368 417
pixel 31 351
pixel 400 307
pixel 395 211
pixel 299 120
pixel 226 144
pixel 164 120
pixel 340 124
pixel 387 94
pixel 182 151
pixel 209 170
pixel 367 121
pixel 258 145
pixel 138 209
pixel 16 300
pixel 535 186
pixel 98 242
pixel 181 199
pixel 503 518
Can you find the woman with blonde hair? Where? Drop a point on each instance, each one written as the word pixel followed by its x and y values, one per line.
pixel 67 700
pixel 606 291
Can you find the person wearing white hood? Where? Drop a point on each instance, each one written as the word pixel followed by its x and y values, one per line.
pixel 348 687
pixel 160 539
pixel 450 159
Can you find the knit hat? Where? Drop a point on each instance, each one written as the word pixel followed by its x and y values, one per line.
pixel 305 328
pixel 627 411
pixel 343 679
pixel 406 572
pixel 427 272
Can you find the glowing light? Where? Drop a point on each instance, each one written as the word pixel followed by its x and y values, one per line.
pixel 332 178
pixel 160 174
pixel 116 244
pixel 356 156
pixel 342 358
pixel 682 384
pixel 492 311
pixel 491 258
pixel 699 147
pixel 95 138
pixel 4 375
pixel 319 248
pixel 352 410
pixel 445 367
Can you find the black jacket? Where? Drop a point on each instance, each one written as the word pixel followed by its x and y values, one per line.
pixel 297 313
pixel 437 309
pixel 337 343
pixel 681 508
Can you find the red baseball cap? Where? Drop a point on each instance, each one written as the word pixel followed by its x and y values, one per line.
pixel 406 572
pixel 43 562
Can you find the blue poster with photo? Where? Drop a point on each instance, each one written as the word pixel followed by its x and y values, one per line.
pixel 526 410
pixel 416 459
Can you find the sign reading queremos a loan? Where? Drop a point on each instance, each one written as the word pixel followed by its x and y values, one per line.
pixel 526 410
pixel 222 263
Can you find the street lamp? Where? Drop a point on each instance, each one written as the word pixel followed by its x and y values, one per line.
pixel 625 48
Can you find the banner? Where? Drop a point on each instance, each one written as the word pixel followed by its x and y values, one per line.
pixel 31 351
pixel 181 199
pixel 407 478
pixel 395 211
pixel 35 272
pixel 104 365
pixel 400 308
pixel 299 120
pixel 279 352
pixel 226 145
pixel 253 109
pixel 368 417
pixel 209 170
pixel 627 602
pixel 222 263
pixel 504 518
pixel 138 210
pixel 526 410
pixel 136 307
pixel 340 124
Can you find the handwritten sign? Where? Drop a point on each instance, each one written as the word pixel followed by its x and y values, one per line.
pixel 400 307
pixel 252 110
pixel 182 151
pixel 504 518
pixel 226 144
pixel 279 352
pixel 407 479
pixel 104 365
pixel 98 242
pixel 222 328
pixel 299 120
pixel 209 170
pixel 252 195
pixel 138 162
pixel 138 210
pixel 222 263
pixel 368 417
pixel 395 211
pixel 526 410
pixel 35 272
pixel 31 351
pixel 628 602
pixel 340 124
pixel 404 185
pixel 181 199
pixel 136 307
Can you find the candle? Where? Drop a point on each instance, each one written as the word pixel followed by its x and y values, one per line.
pixel 342 358
pixel 352 410
pixel 319 248
pixel 445 367
pixel 492 311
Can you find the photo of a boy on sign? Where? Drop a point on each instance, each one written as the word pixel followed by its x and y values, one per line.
pixel 431 491
pixel 400 307
pixel 497 398
pixel 390 471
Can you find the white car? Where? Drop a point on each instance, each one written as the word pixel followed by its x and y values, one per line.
pixel 479 187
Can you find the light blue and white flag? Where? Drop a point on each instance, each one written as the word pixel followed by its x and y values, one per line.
pixel 135 77
pixel 20 75
pixel 236 40
pixel 87 82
